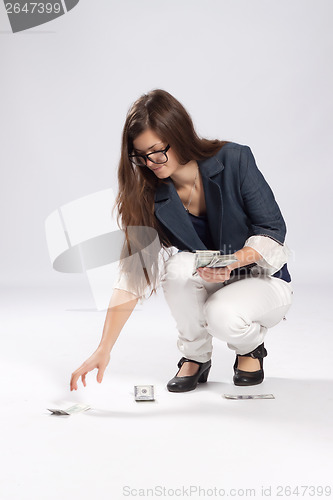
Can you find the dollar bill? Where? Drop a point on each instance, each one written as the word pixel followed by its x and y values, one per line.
pixel 77 408
pixel 248 396
pixel 211 258
pixel 144 393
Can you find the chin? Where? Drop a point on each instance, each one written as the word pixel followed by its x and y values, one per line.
pixel 162 176
pixel 162 172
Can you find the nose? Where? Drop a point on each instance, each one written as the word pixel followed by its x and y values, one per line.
pixel 150 164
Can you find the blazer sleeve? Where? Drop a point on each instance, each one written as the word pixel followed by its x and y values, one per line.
pixel 259 201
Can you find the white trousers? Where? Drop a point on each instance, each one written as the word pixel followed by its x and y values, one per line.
pixel 238 311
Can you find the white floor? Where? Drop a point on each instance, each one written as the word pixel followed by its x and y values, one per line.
pixel 188 441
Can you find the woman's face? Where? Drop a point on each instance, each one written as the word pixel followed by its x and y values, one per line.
pixel 148 142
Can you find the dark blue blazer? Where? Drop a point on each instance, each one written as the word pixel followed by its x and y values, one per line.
pixel 239 204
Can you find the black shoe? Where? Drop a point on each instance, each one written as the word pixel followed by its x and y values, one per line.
pixel 188 383
pixel 250 378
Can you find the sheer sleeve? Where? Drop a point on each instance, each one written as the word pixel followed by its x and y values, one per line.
pixel 274 255
pixel 122 284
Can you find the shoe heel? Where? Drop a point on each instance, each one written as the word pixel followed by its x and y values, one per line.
pixel 203 377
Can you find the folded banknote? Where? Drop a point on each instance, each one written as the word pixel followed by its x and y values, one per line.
pixel 248 396
pixel 77 408
pixel 144 393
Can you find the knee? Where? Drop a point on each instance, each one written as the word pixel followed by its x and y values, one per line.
pixel 178 271
pixel 224 321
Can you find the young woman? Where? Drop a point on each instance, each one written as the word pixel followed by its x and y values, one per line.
pixel 199 194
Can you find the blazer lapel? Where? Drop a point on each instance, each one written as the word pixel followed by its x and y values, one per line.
pixel 171 212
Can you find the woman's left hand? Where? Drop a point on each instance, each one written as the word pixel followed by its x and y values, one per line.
pixel 214 274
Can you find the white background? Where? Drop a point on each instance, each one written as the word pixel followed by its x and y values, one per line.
pixel 255 72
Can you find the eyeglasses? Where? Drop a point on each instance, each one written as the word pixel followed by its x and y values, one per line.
pixel 155 157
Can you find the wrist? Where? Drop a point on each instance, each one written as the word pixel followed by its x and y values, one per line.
pixel 104 347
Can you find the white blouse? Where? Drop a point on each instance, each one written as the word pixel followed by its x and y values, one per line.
pixel 274 256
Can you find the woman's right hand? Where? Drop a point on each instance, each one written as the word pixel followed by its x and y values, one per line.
pixel 99 359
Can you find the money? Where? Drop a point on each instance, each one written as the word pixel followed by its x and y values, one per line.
pixel 248 396
pixel 77 408
pixel 144 393
pixel 211 258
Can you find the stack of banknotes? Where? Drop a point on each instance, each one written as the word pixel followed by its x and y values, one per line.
pixel 212 258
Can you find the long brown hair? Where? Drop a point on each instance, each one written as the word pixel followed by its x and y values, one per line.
pixel 163 114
